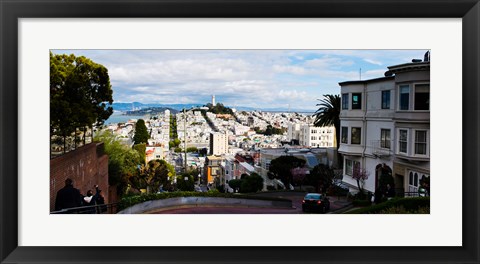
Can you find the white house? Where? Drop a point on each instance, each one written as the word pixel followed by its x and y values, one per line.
pixel 385 123
pixel 311 136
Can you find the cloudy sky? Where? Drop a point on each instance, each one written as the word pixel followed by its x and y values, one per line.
pixel 252 78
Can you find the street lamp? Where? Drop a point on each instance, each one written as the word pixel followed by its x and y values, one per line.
pixel 185 137
pixel 225 183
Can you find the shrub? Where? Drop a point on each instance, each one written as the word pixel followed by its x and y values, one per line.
pixel 361 202
pixel 136 199
pixel 410 204
pixel 185 185
pixel 401 210
pixel 235 184
pixel 252 183
pixel 192 149
pixel 271 188
pixel 221 188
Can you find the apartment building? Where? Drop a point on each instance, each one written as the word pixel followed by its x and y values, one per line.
pixel 218 143
pixel 213 168
pixel 385 127
pixel 309 135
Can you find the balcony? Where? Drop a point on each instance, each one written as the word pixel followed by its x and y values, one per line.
pixel 380 148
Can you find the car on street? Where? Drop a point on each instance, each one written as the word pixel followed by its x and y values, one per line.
pixel 315 202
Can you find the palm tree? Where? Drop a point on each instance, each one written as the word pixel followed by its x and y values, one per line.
pixel 328 114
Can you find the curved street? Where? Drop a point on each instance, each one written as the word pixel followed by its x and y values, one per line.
pixel 336 203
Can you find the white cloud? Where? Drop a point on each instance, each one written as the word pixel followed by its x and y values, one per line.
pixel 373 61
pixel 260 78
pixel 289 69
pixel 292 95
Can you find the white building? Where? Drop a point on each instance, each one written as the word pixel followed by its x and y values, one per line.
pixel 385 123
pixel 240 129
pixel 218 143
pixel 311 136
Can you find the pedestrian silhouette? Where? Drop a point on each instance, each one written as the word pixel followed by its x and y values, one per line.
pixel 68 197
pixel 91 200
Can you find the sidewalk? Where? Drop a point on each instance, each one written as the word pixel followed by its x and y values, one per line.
pixel 339 204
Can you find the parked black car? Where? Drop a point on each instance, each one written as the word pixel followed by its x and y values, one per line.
pixel 315 202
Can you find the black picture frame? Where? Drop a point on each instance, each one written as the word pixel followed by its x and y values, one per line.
pixel 11 11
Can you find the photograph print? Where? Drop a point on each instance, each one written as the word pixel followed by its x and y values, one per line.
pixel 239 132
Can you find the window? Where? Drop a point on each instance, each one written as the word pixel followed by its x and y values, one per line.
pixel 385 138
pixel 422 97
pixel 345 135
pixel 415 182
pixel 356 133
pixel 349 165
pixel 402 141
pixel 404 97
pixel 267 164
pixel 421 142
pixel 356 101
pixel 385 99
pixel 345 101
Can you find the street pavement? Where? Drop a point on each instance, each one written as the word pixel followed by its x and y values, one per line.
pixel 336 204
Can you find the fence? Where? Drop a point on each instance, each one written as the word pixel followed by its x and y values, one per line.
pixel 93 209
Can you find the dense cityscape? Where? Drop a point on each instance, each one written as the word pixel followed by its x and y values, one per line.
pixel 230 137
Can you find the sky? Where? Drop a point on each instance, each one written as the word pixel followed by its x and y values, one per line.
pixel 288 79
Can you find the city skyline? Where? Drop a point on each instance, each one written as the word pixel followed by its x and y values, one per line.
pixel 285 79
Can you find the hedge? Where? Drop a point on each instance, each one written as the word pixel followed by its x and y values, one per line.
pixel 361 203
pixel 136 199
pixel 410 204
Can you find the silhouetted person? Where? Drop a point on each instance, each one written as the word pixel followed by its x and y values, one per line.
pixel 91 200
pixel 101 201
pixel 390 192
pixel 68 197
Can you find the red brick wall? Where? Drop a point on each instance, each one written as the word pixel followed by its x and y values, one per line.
pixel 86 166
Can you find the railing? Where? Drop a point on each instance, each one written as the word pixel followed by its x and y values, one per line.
pixel 381 148
pixel 414 194
pixel 93 209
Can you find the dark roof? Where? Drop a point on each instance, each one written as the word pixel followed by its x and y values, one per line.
pixel 367 81
pixel 411 66
pixel 423 65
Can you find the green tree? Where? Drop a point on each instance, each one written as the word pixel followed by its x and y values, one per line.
pixel 269 130
pixel 219 108
pixel 80 94
pixel 235 184
pixel 251 183
pixel 321 176
pixel 185 182
pixel 141 149
pixel 192 149
pixel 202 152
pixel 176 142
pixel 281 167
pixel 328 114
pixel 141 133
pixel 157 173
pixel 122 161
